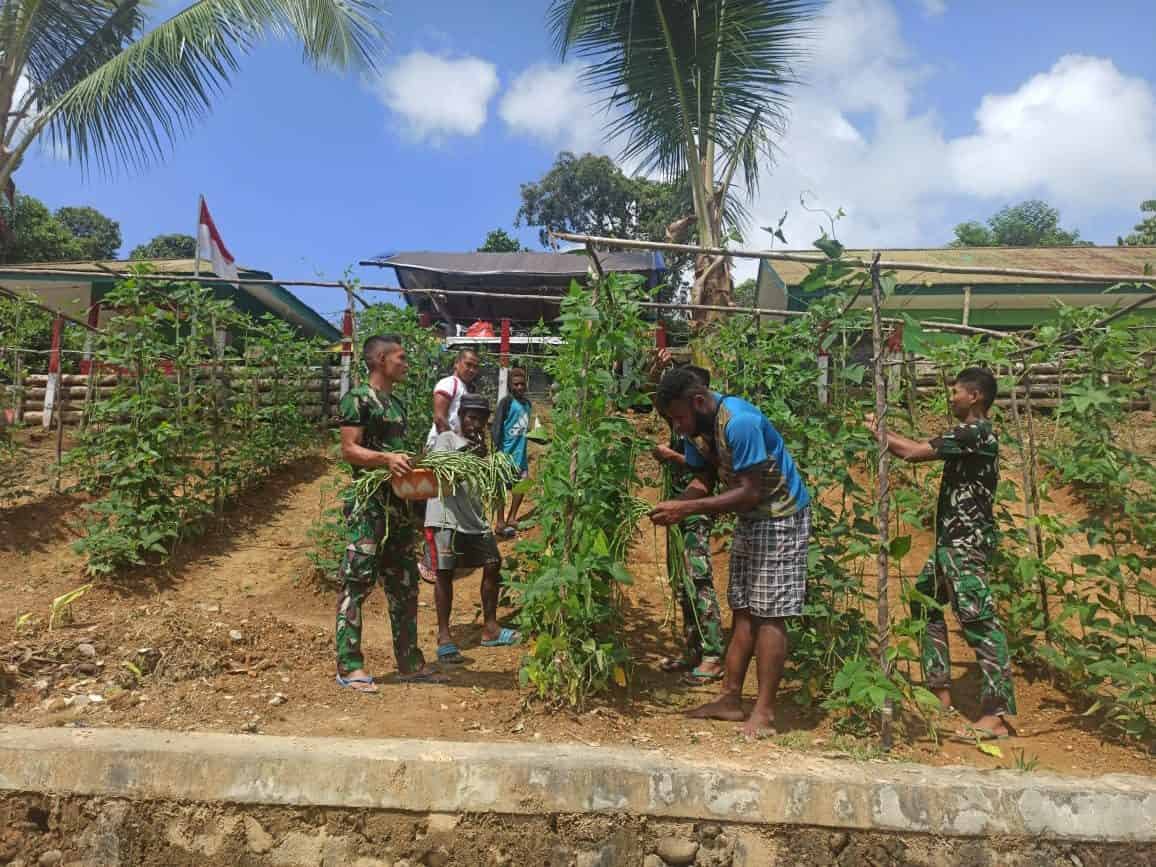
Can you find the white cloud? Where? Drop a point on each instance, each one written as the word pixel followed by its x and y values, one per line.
pixel 439 97
pixel 1082 133
pixel 548 102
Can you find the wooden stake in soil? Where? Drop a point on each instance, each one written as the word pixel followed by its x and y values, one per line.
pixel 1030 509
pixel 883 617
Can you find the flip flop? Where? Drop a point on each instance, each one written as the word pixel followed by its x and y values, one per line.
pixel 671 664
pixel 505 638
pixel 422 676
pixel 450 654
pixel 698 676
pixel 972 733
pixel 508 532
pixel 348 683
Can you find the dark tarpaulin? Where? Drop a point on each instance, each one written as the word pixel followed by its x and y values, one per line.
pixel 540 276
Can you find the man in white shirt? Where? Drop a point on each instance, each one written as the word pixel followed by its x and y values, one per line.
pixel 447 396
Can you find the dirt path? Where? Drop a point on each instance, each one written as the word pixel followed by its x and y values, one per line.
pixel 234 636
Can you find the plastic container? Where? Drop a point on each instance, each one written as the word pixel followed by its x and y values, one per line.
pixel 418 484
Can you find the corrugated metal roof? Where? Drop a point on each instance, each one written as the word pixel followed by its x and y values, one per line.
pixel 1087 260
pixel 272 297
pixel 541 277
pixel 511 266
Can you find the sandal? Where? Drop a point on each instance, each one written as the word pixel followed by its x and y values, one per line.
pixel 369 687
pixel 505 638
pixel 974 733
pixel 698 676
pixel 450 654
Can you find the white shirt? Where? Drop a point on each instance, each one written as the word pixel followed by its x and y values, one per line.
pixel 453 388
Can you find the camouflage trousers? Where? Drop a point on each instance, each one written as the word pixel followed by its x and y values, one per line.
pixel 368 559
pixel 701 618
pixel 957 575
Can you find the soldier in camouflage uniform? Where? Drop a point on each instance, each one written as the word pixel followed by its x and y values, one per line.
pixel 701 617
pixel 381 536
pixel 956 572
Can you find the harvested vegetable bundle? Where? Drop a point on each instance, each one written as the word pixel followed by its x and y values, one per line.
pixel 487 478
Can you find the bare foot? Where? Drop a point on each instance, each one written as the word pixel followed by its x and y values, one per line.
pixel 726 707
pixel 359 680
pixel 758 725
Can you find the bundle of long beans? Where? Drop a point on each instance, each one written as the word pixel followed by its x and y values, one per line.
pixel 485 477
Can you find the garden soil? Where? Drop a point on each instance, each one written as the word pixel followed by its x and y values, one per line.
pixel 235 635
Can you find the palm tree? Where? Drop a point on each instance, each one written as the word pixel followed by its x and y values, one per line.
pixel 87 74
pixel 697 88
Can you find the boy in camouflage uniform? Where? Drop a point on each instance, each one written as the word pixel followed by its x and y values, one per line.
pixel 956 572
pixel 373 424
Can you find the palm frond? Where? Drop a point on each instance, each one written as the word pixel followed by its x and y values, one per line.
pixel 718 65
pixel 127 104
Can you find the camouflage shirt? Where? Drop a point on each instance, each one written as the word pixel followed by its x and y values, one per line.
pixel 381 415
pixel 970 454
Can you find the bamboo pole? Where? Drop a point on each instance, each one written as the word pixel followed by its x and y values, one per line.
pixel 1030 511
pixel 810 259
pixel 883 617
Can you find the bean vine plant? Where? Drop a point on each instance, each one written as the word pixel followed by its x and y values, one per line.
pixel 189 422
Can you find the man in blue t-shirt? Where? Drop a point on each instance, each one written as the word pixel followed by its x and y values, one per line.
pixel 731 442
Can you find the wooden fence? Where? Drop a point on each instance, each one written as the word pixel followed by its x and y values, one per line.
pixel 78 392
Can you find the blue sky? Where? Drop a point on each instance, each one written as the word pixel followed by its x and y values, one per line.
pixel 918 114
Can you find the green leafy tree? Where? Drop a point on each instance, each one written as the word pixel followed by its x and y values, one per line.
pixel 590 195
pixel 166 247
pixel 106 89
pixel 1145 234
pixel 1029 224
pixel 699 91
pixel 97 236
pixel 498 241
pixel 36 234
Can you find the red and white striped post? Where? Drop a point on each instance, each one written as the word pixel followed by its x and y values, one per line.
pixel 346 350
pixel 52 388
pixel 504 360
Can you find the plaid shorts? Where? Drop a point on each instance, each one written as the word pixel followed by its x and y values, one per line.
pixel 768 573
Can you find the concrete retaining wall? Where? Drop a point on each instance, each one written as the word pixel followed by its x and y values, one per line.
pixel 514 779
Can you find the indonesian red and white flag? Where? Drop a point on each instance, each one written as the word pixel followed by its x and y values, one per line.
pixel 211 248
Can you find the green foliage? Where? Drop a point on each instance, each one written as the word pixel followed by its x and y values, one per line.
pixel 104 89
pixel 589 195
pixel 1145 230
pixel 698 88
pixel 71 233
pixel 166 247
pixel 185 427
pixel 1029 224
pixel 25 326
pixel 498 241
pixel 96 235
pixel 427 363
pixel 570 573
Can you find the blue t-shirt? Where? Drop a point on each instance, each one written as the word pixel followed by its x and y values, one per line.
pixel 515 426
pixel 743 440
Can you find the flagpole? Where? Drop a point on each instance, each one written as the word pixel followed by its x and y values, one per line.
pixel 197 237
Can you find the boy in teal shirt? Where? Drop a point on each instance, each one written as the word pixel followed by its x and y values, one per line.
pixel 511 424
